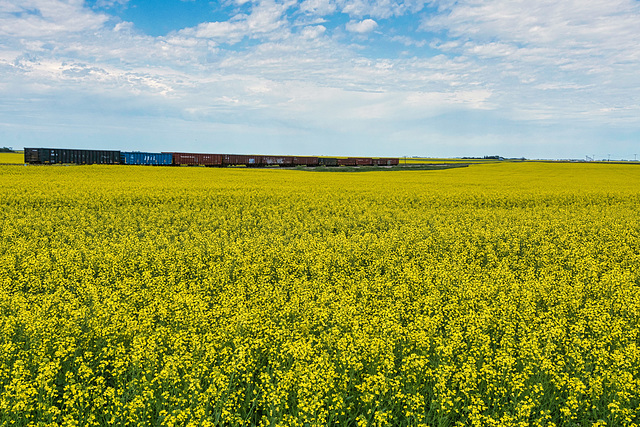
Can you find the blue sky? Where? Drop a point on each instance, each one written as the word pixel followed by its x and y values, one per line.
pixel 544 79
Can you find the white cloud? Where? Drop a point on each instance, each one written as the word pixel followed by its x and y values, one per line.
pixel 46 18
pixel 362 27
pixel 408 41
pixel 526 48
pixel 559 86
pixel 265 20
pixel 267 16
pixel 312 32
pixel 573 29
pixel 380 8
pixel 231 32
pixel 318 7
pixel 123 26
pixel 110 3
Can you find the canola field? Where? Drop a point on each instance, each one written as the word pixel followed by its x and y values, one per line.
pixel 11 158
pixel 495 295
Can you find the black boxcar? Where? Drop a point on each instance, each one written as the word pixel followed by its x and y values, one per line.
pixel 327 161
pixel 65 155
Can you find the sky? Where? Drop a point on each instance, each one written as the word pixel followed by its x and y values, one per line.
pixel 430 78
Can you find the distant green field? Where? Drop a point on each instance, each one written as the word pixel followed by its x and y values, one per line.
pixel 11 158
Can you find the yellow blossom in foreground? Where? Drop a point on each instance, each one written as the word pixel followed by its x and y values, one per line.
pixel 502 294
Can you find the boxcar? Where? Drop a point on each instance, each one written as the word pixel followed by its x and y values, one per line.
pixel 327 161
pixel 305 161
pixel 241 160
pixel 277 161
pixel 65 155
pixel 386 161
pixel 140 158
pixel 347 162
pixel 363 161
pixel 196 159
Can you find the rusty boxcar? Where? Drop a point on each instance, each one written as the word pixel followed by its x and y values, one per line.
pixel 197 159
pixel 305 161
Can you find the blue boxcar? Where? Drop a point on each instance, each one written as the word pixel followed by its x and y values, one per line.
pixel 138 158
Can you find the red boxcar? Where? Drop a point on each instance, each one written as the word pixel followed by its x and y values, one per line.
pixel 356 161
pixel 347 162
pixel 363 161
pixel 305 161
pixel 196 159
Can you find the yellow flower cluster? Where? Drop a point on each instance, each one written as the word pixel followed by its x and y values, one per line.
pixel 502 294
pixel 15 158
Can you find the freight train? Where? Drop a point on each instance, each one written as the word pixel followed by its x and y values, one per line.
pixel 110 157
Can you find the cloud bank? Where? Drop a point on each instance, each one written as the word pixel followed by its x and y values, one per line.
pixel 466 77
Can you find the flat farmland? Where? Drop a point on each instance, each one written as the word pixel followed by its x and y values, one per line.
pixel 501 294
pixel 8 158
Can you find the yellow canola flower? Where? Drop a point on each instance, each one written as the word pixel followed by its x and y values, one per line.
pixel 502 294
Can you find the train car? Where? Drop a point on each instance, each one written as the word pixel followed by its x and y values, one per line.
pixel 347 162
pixel 196 159
pixel 242 160
pixel 282 161
pixel 363 161
pixel 386 161
pixel 327 161
pixel 34 155
pixel 141 158
pixel 305 161
pixel 65 155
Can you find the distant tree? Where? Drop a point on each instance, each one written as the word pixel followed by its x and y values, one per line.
pixel 6 150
